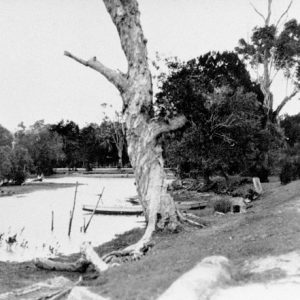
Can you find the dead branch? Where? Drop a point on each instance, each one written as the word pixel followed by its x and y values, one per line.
pixel 285 101
pixel 47 264
pixel 173 124
pixel 93 257
pixel 116 78
pixel 258 12
pixel 93 213
pixel 64 292
pixel 284 13
pixel 187 220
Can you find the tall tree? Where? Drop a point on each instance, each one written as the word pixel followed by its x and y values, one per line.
pixel 271 51
pixel 224 109
pixel 89 143
pixel 116 130
pixel 44 146
pixel 143 132
pixel 69 132
pixel 6 138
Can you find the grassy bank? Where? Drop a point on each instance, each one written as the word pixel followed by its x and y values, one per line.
pixel 28 188
pixel 270 227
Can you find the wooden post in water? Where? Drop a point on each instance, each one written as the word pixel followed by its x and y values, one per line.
pixel 52 220
pixel 88 223
pixel 73 209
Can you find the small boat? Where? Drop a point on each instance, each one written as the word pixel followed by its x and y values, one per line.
pixel 115 210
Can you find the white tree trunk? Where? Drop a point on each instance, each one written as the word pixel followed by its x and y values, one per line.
pixel 143 132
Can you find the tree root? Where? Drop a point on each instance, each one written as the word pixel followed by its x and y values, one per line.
pixel 136 251
pixel 130 253
pixel 188 218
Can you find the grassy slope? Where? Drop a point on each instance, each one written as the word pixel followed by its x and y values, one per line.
pixel 270 227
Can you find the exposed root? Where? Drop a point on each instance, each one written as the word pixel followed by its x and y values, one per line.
pixel 130 253
pixel 137 250
pixel 187 218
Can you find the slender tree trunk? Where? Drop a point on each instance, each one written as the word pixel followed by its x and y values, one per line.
pixel 120 156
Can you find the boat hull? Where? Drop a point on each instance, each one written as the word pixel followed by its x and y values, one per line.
pixel 114 210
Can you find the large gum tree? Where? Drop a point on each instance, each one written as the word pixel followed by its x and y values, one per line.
pixel 143 130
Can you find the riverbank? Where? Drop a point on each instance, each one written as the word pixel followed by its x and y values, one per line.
pixel 270 227
pixel 31 187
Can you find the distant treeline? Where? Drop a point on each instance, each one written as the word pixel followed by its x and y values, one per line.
pixel 42 147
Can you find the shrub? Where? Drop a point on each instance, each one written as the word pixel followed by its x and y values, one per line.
pixel 288 173
pixel 222 205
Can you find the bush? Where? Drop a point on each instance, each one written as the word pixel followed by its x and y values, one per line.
pixel 288 173
pixel 222 205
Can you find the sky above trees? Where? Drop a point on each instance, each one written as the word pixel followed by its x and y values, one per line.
pixel 38 82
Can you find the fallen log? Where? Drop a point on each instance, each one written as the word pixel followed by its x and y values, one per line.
pixel 48 264
pixel 93 257
pixel 89 256
pixel 49 289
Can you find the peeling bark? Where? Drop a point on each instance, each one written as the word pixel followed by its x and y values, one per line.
pixel 144 147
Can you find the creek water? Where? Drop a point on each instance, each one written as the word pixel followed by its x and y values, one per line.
pixel 29 216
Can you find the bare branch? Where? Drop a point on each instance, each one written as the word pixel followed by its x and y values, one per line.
pixel 285 101
pixel 284 13
pixel 269 13
pixel 116 78
pixel 258 12
pixel 173 124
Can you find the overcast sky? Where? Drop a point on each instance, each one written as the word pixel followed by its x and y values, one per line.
pixel 38 82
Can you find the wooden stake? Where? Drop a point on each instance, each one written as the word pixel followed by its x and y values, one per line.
pixel 72 212
pixel 88 223
pixel 52 220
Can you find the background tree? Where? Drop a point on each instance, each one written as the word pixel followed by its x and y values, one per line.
pixel 90 145
pixel 272 51
pixel 291 127
pixel 43 145
pixel 143 132
pixel 224 109
pixel 69 132
pixel 6 137
pixel 5 163
pixel 116 129
pixel 20 164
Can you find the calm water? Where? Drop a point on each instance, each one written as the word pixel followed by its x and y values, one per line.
pixel 29 216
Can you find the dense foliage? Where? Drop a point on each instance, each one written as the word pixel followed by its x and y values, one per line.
pixel 224 109
pixel 290 158
pixel 42 147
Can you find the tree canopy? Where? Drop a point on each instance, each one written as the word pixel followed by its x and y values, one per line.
pixel 272 50
pixel 224 109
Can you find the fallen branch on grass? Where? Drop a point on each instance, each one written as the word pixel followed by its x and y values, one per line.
pixel 79 265
pixel 89 256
